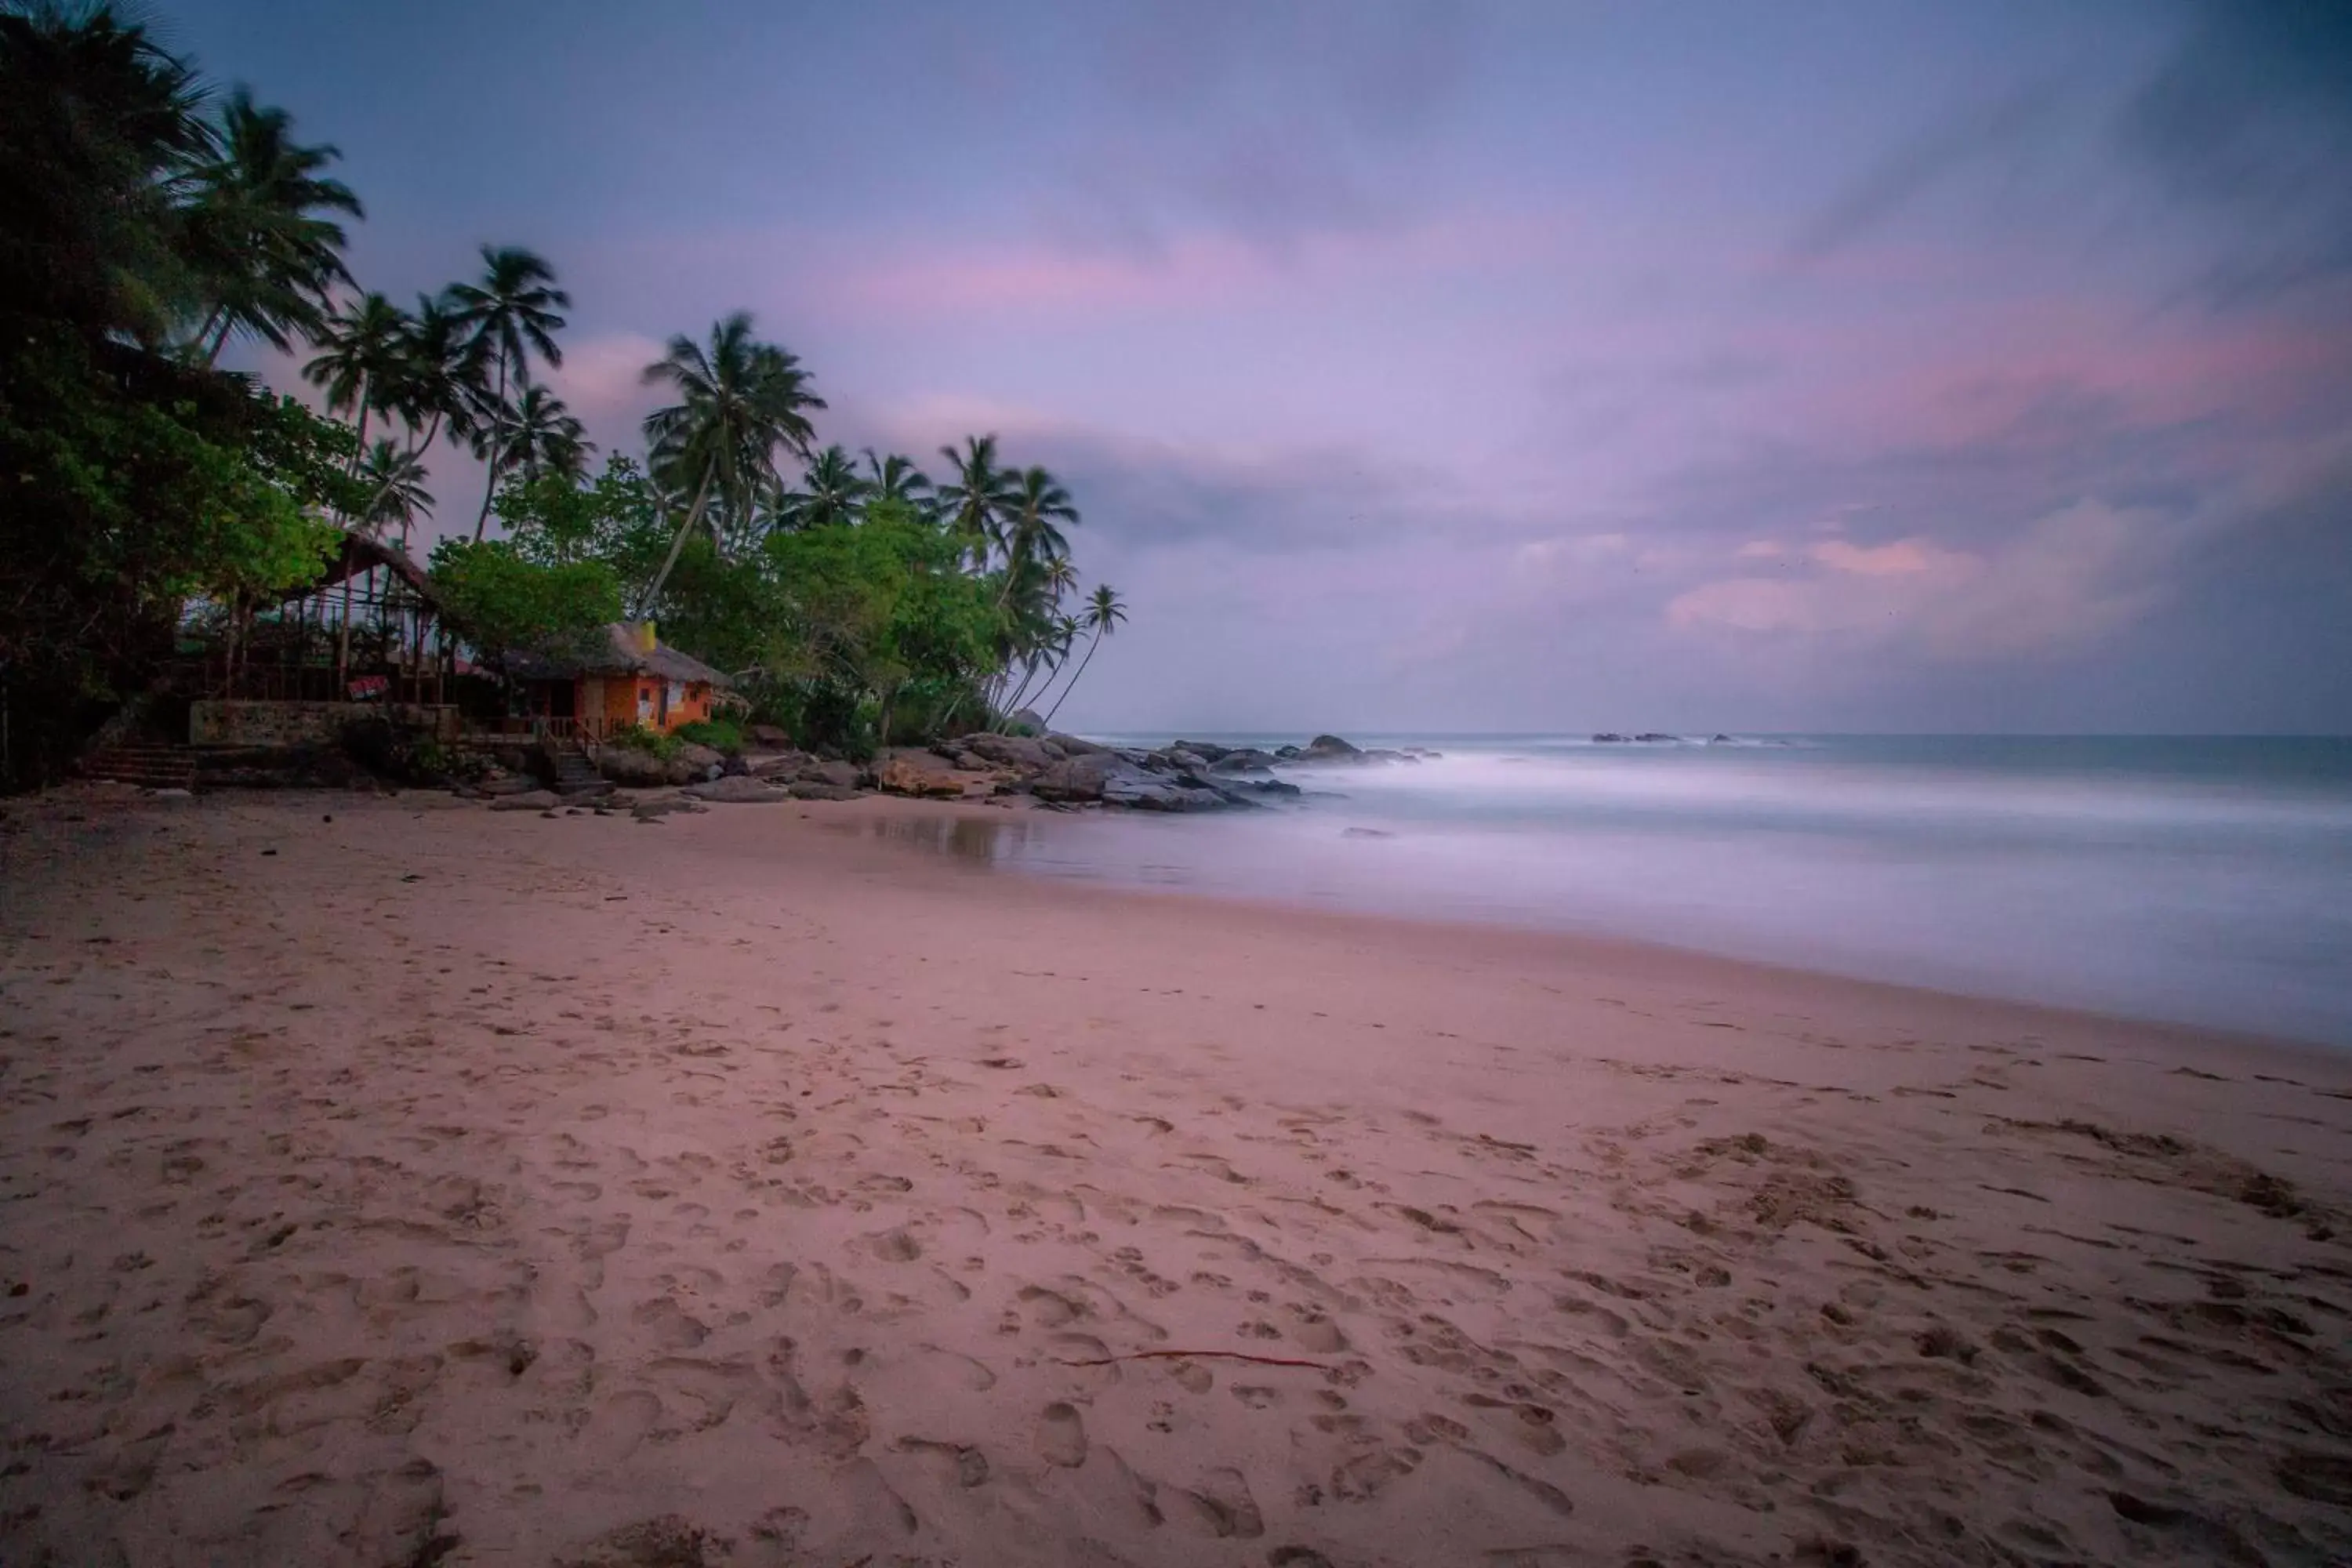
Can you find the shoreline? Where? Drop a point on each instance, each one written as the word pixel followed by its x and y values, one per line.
pixel 754 1189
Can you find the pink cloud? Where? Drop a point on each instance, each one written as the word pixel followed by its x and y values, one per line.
pixel 2074 577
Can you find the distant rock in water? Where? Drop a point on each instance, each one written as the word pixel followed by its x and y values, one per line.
pixel 1654 737
pixel 1331 745
pixel 1608 738
pixel 1720 740
pixel 1365 833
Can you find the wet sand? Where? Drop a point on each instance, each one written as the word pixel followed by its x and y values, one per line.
pixel 432 1185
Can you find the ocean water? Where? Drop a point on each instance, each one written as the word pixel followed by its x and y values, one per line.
pixel 2199 880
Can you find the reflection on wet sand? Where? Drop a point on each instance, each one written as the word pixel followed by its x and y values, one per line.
pixel 978 839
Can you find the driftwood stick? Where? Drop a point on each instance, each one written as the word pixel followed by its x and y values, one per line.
pixel 1198 1355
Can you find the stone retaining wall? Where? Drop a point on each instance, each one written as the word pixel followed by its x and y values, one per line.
pixel 220 724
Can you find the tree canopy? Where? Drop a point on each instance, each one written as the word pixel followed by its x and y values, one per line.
pixel 154 223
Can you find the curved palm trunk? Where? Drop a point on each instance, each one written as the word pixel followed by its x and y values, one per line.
pixel 1064 697
pixel 490 489
pixel 212 321
pixel 693 515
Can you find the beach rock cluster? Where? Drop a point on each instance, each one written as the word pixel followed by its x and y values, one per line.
pixel 1047 771
pixel 1650 738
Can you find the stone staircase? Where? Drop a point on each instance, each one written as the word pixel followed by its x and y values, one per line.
pixel 574 772
pixel 151 764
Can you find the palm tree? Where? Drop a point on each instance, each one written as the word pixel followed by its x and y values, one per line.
pixel 532 436
pixel 976 500
pixel 1031 541
pixel 831 491
pixel 439 380
pixel 363 354
pixel 396 480
pixel 511 311
pixel 896 479
pixel 260 231
pixel 1104 615
pixel 506 316
pixel 100 129
pixel 739 400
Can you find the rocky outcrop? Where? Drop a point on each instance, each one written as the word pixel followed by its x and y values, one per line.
pixel 1012 751
pixel 736 789
pixel 530 800
pixel 833 773
pixel 908 770
pixel 1052 771
pixel 633 768
pixel 1081 778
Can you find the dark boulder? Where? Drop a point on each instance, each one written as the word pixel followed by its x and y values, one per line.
pixel 1608 738
pixel 1011 751
pixel 835 773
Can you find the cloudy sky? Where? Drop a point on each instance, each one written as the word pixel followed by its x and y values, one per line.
pixel 1492 366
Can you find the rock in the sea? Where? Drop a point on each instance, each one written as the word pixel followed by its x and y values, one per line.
pixel 1207 751
pixel 1080 777
pixel 1246 787
pixel 1072 747
pixel 1149 793
pixel 1330 746
pixel 1243 760
pixel 1654 737
pixel 736 790
pixel 1608 738
pixel 807 789
pixel 530 800
pixel 1719 740
pixel 908 770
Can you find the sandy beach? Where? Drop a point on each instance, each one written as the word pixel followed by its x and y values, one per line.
pixel 389 1181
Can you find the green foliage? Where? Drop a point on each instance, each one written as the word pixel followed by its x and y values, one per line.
pixel 509 604
pixel 145 229
pixel 128 485
pixel 718 734
pixel 641 738
pixel 554 520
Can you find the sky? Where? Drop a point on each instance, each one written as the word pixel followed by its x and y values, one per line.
pixel 1455 368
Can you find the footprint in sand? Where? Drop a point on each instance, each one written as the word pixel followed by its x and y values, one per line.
pixel 1062 1436
pixel 617 1427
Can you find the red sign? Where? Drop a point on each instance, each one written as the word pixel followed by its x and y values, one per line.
pixel 368 687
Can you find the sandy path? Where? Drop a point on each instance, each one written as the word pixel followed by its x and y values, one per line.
pixel 450 1187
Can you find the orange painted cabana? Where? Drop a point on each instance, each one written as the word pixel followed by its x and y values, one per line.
pixel 619 674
